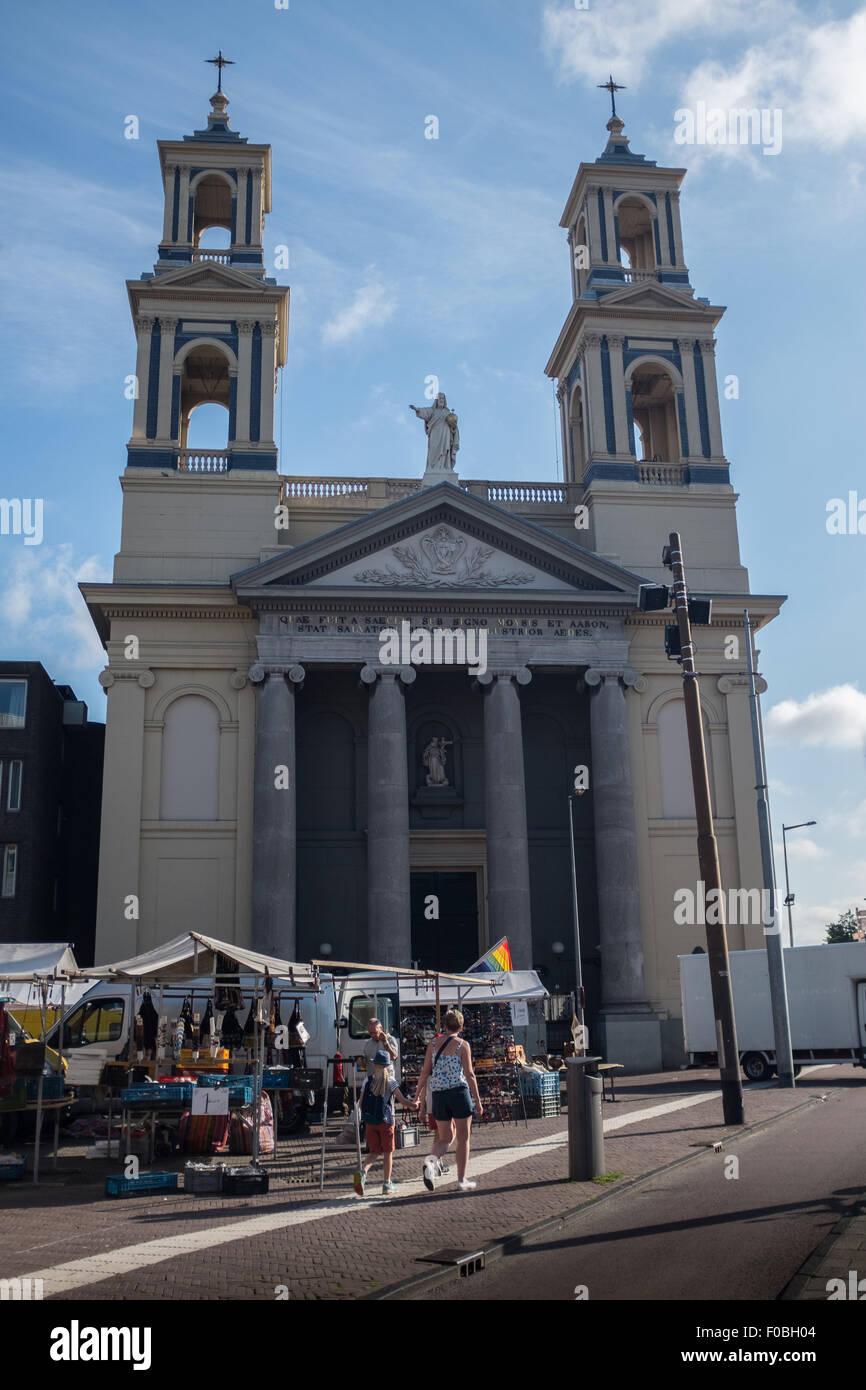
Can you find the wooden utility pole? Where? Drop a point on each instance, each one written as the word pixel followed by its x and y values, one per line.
pixel 708 854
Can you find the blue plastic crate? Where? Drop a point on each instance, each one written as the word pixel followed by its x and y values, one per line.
pixel 241 1089
pixel 277 1078
pixel 159 1093
pixel 52 1087
pixel 533 1083
pixel 118 1186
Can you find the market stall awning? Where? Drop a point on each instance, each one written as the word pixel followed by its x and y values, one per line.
pixel 192 955
pixel 418 986
pixel 31 960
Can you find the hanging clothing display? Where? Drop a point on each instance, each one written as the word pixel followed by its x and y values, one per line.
pixel 232 1034
pixel 149 1023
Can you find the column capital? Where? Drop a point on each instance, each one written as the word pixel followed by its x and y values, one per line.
pixel 144 322
pixel 370 674
pixel 260 670
pixel 245 327
pixel 108 677
pixel 590 340
pixel 168 324
pixel 615 340
pixel 269 329
pixel 707 346
pixel 521 675
pixel 596 675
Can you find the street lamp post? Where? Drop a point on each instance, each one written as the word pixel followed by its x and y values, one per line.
pixel 789 896
pixel 578 966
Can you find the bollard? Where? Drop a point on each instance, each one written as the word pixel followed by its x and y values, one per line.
pixel 583 1088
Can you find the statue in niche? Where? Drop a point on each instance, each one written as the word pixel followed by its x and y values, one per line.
pixel 443 436
pixel 433 759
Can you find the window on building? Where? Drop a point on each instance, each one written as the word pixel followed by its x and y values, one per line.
pixel 13 786
pixel 13 702
pixel 190 760
pixel 9 871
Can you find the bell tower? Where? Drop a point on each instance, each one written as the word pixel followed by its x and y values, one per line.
pixel 635 371
pixel 210 325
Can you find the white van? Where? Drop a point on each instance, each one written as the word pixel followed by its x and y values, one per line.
pixel 102 1021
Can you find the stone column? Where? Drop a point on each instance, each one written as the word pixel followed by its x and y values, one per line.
pixel 166 370
pixel 622 965
pixel 245 360
pixel 678 230
pixel 241 209
pixel 389 923
pixel 508 899
pixel 117 920
pixel 610 227
pixel 708 353
pixel 266 398
pixel 168 210
pixel 593 394
pixel 185 234
pixel 144 328
pixel 593 226
pixel 274 811
pixel 615 345
pixel 690 396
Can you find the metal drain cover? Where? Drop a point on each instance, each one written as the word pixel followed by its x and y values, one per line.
pixel 467 1261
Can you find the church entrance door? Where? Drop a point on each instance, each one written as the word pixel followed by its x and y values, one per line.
pixel 450 941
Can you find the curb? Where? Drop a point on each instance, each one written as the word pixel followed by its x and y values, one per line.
pixel 506 1245
pixel 794 1290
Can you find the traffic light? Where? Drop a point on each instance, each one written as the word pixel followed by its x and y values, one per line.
pixel 673 648
pixel 653 597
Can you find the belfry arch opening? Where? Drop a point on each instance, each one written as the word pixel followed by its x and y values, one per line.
pixel 204 381
pixel 636 238
pixel 212 207
pixel 577 448
pixel 654 409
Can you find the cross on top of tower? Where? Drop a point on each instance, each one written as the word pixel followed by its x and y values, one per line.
pixel 219 63
pixel 612 87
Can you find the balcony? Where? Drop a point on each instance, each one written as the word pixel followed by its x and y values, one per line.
pixel 661 474
pixel 220 257
pixel 203 460
pixel 634 277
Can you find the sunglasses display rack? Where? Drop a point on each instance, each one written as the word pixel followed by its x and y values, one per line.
pixel 488 1030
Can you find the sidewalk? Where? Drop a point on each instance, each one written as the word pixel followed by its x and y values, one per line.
pixel 842 1256
pixel 333 1245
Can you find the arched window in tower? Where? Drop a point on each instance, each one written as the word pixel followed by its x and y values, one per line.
pixel 212 207
pixel 654 409
pixel 189 786
pixel 576 436
pixel 580 251
pixel 204 395
pixel 636 236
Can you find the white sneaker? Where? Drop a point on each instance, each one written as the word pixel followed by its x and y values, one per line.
pixel 466 1185
pixel 430 1172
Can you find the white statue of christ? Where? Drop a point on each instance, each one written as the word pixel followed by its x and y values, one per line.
pixel 443 436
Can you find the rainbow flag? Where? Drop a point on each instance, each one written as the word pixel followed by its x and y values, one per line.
pixel 496 959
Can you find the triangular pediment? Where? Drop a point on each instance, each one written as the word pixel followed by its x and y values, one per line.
pixel 653 295
pixel 439 540
pixel 208 275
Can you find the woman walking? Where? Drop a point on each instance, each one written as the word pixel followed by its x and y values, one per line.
pixel 453 1084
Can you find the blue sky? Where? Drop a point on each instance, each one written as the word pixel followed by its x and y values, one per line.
pixel 411 256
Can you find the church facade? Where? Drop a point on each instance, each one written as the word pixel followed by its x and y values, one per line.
pixel 344 714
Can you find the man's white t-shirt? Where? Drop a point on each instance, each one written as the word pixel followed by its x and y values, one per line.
pixel 374 1046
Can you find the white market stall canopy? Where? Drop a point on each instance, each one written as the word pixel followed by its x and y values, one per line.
pixel 30 960
pixel 500 987
pixel 194 956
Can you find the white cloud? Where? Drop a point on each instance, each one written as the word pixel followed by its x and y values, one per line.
pixel 623 36
pixel 849 822
pixel 372 307
pixel 45 617
pixel 801 847
pixel 834 718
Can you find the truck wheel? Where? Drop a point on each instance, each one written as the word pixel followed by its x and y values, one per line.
pixel 756 1067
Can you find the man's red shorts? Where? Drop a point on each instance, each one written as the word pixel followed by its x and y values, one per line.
pixel 380 1139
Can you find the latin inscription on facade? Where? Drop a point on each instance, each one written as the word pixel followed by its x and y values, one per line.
pixel 371 624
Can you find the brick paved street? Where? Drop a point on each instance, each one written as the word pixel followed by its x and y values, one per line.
pixel 332 1245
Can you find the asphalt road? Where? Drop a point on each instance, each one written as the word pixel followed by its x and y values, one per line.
pixel 694 1233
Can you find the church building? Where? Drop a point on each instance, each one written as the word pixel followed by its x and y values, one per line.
pixel 344 714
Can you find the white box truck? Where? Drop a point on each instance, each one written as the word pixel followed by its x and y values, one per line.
pixel 826 1001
